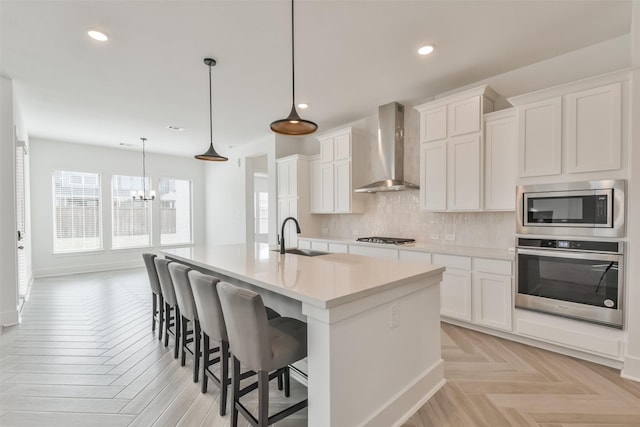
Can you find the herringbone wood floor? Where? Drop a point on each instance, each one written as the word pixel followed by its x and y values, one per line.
pixel 84 355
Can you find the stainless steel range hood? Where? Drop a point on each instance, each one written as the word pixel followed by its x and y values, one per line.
pixel 390 151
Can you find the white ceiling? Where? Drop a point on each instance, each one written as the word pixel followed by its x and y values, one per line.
pixel 351 56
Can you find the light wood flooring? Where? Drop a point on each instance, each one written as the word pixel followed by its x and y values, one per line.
pixel 84 355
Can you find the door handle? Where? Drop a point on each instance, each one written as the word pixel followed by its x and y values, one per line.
pixel 20 247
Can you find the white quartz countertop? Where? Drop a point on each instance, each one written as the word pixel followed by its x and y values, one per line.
pixel 472 251
pixel 324 281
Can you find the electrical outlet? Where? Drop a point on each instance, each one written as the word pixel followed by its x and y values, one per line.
pixel 435 236
pixel 450 237
pixel 393 321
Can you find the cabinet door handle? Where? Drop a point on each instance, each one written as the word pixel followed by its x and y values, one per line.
pixel 20 247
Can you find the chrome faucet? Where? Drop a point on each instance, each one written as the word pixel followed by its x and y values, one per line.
pixel 282 231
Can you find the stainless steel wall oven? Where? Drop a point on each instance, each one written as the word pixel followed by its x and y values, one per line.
pixel 571 278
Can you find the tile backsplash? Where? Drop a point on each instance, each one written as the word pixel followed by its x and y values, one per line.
pixel 397 214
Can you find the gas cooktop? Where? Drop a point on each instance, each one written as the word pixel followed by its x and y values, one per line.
pixel 385 240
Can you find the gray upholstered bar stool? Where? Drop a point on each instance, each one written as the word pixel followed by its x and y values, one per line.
pixel 261 345
pixel 157 305
pixel 213 328
pixel 188 315
pixel 171 310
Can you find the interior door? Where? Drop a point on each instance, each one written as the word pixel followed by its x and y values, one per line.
pixel 21 221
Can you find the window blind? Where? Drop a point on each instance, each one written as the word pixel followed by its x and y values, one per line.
pixel 130 219
pixel 77 224
pixel 175 211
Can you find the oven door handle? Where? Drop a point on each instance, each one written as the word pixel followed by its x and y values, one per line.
pixel 570 254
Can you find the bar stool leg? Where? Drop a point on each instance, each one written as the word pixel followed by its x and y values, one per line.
pixel 167 323
pixel 205 362
pixel 287 383
pixel 160 316
pixel 224 376
pixel 176 350
pixel 235 392
pixel 196 350
pixel 183 359
pixel 263 399
pixel 154 309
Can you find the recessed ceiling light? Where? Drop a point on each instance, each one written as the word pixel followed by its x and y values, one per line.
pixel 302 106
pixel 97 35
pixel 426 50
pixel 176 128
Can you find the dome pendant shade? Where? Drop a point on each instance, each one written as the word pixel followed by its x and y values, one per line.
pixel 211 155
pixel 293 125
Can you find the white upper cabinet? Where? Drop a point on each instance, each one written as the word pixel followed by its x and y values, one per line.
pixel 337 172
pixel 287 177
pixel 433 124
pixel 594 122
pixel 464 177
pixel 539 133
pixel 451 150
pixel 464 116
pixel 577 128
pixel 433 176
pixel 500 153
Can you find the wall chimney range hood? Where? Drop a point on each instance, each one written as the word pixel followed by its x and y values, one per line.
pixel 390 151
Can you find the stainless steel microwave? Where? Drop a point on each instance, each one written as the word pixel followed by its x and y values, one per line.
pixel 590 208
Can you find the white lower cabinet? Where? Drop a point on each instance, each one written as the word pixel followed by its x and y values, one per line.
pixel 491 295
pixel 455 294
pixel 455 288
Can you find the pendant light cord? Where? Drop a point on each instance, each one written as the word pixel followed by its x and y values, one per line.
pixel 293 62
pixel 144 177
pixel 210 109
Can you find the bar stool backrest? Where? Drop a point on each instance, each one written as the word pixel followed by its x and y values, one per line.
pixel 247 326
pixel 208 305
pixel 180 276
pixel 166 284
pixel 152 273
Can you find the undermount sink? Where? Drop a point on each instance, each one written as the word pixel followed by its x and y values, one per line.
pixel 303 252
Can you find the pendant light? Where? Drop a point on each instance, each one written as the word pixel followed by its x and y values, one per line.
pixel 211 153
pixel 293 125
pixel 142 194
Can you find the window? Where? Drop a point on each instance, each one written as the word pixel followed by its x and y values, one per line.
pixel 130 219
pixel 175 211
pixel 76 211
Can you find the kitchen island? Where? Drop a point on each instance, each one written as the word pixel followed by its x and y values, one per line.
pixel 373 326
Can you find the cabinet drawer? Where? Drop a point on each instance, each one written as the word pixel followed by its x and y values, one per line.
pixel 338 248
pixel 415 256
pixel 304 244
pixel 373 252
pixel 452 261
pixel 494 266
pixel 320 246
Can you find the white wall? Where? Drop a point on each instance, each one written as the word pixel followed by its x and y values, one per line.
pixel 8 223
pixel 229 187
pixel 47 156
pixel 632 354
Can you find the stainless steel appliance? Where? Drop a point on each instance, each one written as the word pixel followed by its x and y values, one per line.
pixel 386 240
pixel 591 208
pixel 571 278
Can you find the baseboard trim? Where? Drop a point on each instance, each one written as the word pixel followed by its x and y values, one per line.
pixel 631 370
pixel 94 268
pixel 404 404
pixel 10 318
